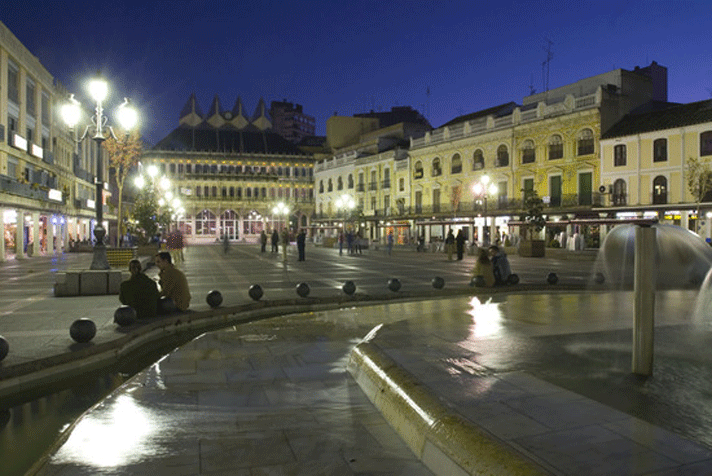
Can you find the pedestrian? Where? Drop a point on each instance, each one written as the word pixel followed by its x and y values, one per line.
pixel 226 244
pixel 285 243
pixel 140 292
pixel 263 241
pixel 450 244
pixel 460 244
pixel 173 282
pixel 390 241
pixel 358 243
pixel 350 242
pixel 275 241
pixel 483 267
pixel 301 244
pixel 500 265
pixel 341 243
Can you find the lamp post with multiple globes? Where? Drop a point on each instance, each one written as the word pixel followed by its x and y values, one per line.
pixel 481 189
pixel 127 117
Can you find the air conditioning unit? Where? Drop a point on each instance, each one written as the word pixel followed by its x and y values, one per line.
pixel 605 189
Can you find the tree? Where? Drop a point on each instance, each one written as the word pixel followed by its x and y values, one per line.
pixel 455 198
pixel 699 182
pixel 148 215
pixel 534 212
pixel 123 155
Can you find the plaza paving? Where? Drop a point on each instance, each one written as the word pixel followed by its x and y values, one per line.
pixel 541 374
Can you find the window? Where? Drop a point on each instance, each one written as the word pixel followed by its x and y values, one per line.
pixel 556 147
pixel 619 192
pixel 456 166
pixel 436 200
pixel 419 202
pixel 478 160
pixel 13 78
pixel 437 170
pixel 321 186
pixel 386 178
pixel 351 181
pixel 418 170
pixel 339 184
pixel 660 150
pixel 659 190
pixel 502 156
pixel 619 155
pixel 706 143
pixel 330 186
pixel 585 142
pixel 401 184
pixel 555 191
pixel 30 97
pixel 528 152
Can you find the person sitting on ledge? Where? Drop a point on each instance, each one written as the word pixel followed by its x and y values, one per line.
pixel 140 292
pixel 173 282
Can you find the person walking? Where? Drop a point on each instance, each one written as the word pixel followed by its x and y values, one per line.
pixel 460 244
pixel 263 241
pixel 301 244
pixel 275 241
pixel 173 282
pixel 390 241
pixel 341 243
pixel 140 292
pixel 285 243
pixel 449 244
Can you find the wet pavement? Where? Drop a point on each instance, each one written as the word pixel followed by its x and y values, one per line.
pixel 546 372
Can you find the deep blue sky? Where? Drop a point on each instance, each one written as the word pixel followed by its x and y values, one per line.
pixel 350 57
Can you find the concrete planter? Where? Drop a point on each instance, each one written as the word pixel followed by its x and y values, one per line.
pixel 532 248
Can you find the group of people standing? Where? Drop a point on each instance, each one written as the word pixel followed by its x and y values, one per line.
pixel 275 238
pixel 455 243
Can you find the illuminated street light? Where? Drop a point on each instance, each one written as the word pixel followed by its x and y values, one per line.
pixel 345 204
pixel 127 117
pixel 481 190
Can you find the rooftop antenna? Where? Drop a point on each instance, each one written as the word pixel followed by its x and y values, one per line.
pixel 545 65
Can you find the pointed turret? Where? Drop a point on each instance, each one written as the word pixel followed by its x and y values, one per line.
pixel 191 114
pixel 215 118
pixel 260 119
pixel 239 121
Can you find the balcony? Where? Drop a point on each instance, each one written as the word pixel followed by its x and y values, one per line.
pixel 11 186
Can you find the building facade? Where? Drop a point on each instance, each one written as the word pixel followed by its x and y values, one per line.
pixel 229 172
pixel 47 192
pixel 289 121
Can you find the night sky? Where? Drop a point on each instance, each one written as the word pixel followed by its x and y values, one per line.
pixel 351 57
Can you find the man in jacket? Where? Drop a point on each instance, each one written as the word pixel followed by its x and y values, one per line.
pixel 140 292
pixel 173 282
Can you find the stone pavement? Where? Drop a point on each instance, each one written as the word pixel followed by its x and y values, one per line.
pixel 487 384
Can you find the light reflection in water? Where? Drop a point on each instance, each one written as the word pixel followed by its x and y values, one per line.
pixel 110 438
pixel 486 317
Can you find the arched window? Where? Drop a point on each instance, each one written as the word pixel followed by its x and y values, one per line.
pixel 239 192
pixel 502 156
pixel 321 186
pixel 339 184
pixel 351 181
pixel 418 170
pixel 478 160
pixel 223 192
pixel 248 192
pixel 528 152
pixel 556 147
pixel 659 190
pixel 706 143
pixel 456 165
pixel 215 192
pixel 437 169
pixel 660 150
pixel 330 186
pixel 264 192
pixel 585 142
pixel 386 178
pixel 205 223
pixel 619 192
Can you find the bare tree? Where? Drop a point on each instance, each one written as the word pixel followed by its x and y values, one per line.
pixel 699 182
pixel 123 154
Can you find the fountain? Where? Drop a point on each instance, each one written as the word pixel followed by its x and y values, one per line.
pixel 682 259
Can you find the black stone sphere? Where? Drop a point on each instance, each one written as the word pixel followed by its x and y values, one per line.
pixel 349 287
pixel 438 282
pixel 4 348
pixel 255 292
pixel 125 316
pixel 214 298
pixel 599 278
pixel 82 330
pixel 394 284
pixel 478 281
pixel 303 289
pixel 552 278
pixel 166 306
pixel 513 279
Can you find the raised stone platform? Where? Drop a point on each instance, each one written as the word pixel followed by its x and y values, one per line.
pixel 88 282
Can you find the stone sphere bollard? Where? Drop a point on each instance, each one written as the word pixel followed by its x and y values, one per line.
pixel 394 284
pixel 166 306
pixel 4 348
pixel 82 330
pixel 303 289
pixel 513 279
pixel 478 281
pixel 125 316
pixel 599 278
pixel 349 287
pixel 552 278
pixel 438 282
pixel 255 292
pixel 214 298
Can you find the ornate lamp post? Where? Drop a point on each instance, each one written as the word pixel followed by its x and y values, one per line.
pixel 481 190
pixel 127 116
pixel 280 209
pixel 345 204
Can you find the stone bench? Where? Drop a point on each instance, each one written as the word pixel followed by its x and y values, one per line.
pixel 88 282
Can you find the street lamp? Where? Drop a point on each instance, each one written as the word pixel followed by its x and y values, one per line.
pixel 127 117
pixel 481 189
pixel 345 204
pixel 279 209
